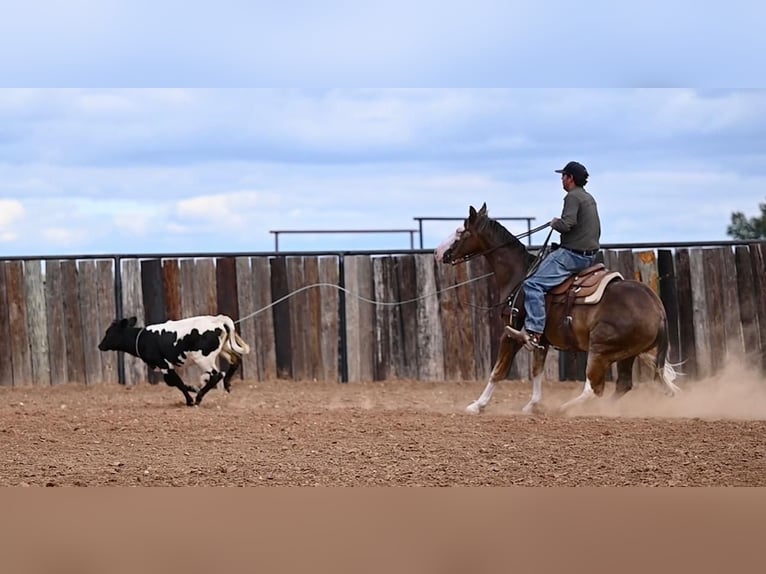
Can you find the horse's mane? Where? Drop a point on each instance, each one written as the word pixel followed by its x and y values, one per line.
pixel 498 235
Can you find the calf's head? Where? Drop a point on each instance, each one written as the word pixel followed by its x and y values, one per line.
pixel 115 333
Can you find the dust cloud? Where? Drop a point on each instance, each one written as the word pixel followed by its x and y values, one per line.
pixel 737 392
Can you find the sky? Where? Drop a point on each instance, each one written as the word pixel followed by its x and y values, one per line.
pixel 209 160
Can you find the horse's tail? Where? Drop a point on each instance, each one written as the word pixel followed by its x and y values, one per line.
pixel 663 368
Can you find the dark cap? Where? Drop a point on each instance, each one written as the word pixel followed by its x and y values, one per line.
pixel 574 169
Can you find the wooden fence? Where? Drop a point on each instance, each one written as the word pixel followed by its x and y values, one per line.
pixel 352 317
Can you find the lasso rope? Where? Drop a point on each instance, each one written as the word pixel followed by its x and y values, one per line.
pixel 360 297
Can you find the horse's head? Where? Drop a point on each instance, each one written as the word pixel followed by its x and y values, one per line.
pixel 466 241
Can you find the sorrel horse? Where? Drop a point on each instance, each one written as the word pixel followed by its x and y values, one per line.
pixel 627 322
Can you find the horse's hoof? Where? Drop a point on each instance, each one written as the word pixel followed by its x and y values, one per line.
pixel 473 409
pixel 533 409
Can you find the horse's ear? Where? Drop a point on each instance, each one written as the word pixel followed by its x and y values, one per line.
pixel 471 212
pixel 483 210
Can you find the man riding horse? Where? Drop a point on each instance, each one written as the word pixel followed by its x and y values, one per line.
pixel 580 230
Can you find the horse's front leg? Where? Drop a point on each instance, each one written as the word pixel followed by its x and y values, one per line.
pixel 538 366
pixel 505 355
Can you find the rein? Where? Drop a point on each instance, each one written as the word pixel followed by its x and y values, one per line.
pixel 470 256
pixel 511 299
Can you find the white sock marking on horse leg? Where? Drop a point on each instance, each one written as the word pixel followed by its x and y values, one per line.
pixel 667 376
pixel 477 406
pixel 537 394
pixel 587 393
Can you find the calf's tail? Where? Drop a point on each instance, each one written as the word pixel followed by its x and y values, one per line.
pixel 236 342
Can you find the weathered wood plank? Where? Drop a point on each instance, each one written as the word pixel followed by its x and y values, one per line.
pixel 626 265
pixel 226 294
pixel 264 321
pixel 73 322
pixel 645 264
pixel 152 292
pixel 446 278
pixel 712 260
pixel 18 323
pixel 312 324
pixel 748 313
pixel 107 312
pixel 153 295
pixel 383 366
pixel 6 357
pixel 205 295
pixel 281 314
pixel 406 273
pixel 669 297
pixel 360 344
pixel 88 289
pixel 133 306
pixel 330 300
pixel 731 314
pixel 187 275
pixel 298 304
pixel 688 345
pixel 758 260
pixel 430 345
pixel 171 287
pixel 395 325
pixel 699 308
pixel 246 306
pixel 56 320
pixel 34 286
pixel 226 287
pixel 464 326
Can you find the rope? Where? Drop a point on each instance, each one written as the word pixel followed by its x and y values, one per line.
pixel 397 303
pixel 361 298
pixel 137 337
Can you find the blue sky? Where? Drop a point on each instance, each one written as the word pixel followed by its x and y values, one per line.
pixel 88 168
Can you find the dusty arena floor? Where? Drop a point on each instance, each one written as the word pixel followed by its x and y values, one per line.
pixel 391 434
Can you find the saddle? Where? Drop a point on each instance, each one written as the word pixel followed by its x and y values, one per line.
pixel 585 287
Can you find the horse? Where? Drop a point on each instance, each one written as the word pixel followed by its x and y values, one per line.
pixel 628 321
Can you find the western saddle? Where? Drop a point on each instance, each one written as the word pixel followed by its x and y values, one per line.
pixel 585 287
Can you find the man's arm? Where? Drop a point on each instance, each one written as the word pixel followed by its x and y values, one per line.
pixel 568 215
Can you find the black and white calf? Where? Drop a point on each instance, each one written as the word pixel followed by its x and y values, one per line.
pixel 170 345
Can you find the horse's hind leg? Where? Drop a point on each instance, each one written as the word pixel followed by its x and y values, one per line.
pixel 624 377
pixel 595 379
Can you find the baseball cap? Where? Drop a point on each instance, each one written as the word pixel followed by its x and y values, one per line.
pixel 575 169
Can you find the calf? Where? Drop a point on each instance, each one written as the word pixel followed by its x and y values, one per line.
pixel 170 345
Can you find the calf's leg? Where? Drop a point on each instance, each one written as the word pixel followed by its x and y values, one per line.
pixel 229 374
pixel 173 380
pixel 212 380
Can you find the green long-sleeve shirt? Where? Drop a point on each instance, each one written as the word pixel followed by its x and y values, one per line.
pixel 579 225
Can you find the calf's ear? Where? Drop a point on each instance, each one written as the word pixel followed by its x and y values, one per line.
pixel 132 321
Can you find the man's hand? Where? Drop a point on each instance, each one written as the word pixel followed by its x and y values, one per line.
pixel 553 221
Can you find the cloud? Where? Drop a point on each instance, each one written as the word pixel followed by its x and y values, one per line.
pixel 185 169
pixel 11 213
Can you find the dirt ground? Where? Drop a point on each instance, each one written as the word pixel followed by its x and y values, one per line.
pixel 406 433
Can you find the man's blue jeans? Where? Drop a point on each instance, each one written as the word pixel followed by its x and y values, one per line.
pixel 554 269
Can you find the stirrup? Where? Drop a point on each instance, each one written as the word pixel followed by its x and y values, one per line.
pixel 533 342
pixel 530 342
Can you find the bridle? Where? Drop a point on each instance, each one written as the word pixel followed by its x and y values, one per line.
pixel 489 250
pixel 511 299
